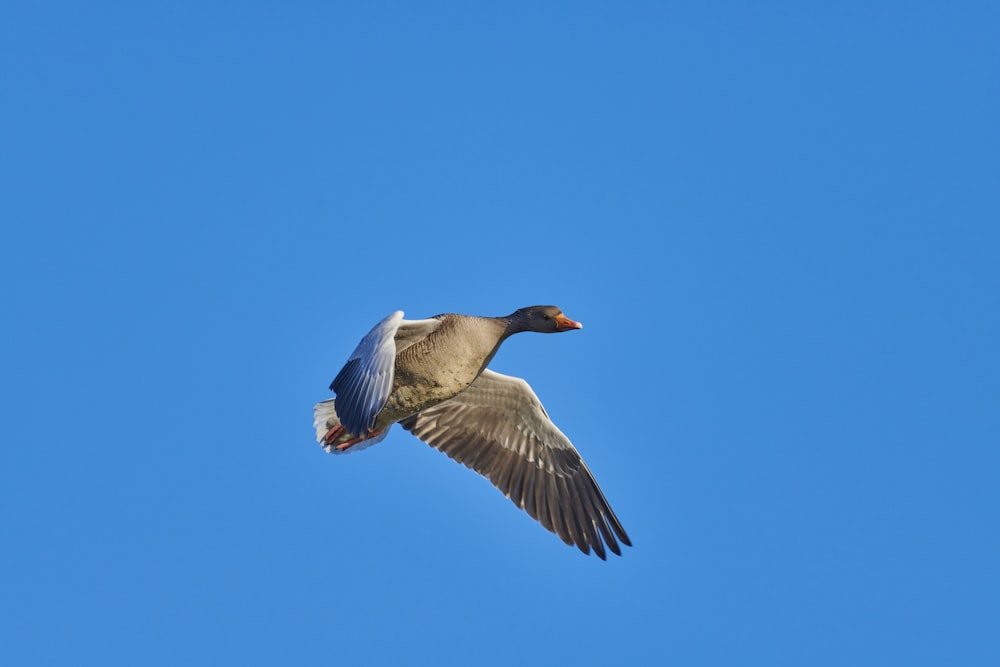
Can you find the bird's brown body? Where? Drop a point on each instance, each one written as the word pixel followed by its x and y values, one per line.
pixel 441 365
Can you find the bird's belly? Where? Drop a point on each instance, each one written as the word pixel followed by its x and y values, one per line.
pixel 412 393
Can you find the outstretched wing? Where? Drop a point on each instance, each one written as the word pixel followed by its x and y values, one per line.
pixel 363 384
pixel 499 428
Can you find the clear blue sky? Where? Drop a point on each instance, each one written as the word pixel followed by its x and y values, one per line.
pixel 779 222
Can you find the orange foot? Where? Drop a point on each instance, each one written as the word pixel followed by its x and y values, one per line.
pixel 334 433
pixel 353 441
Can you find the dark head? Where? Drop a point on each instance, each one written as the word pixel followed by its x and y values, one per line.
pixel 543 319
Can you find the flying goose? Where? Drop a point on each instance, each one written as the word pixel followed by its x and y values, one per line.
pixel 430 376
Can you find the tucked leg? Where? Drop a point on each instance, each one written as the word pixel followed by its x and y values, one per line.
pixel 353 441
pixel 334 433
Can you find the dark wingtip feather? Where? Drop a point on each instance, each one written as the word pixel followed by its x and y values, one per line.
pixel 617 550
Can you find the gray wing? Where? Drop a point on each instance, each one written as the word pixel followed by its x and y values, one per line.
pixel 411 332
pixel 362 386
pixel 499 428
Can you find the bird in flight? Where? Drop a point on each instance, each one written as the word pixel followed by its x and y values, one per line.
pixel 430 376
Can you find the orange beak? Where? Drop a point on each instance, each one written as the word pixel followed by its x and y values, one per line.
pixel 563 323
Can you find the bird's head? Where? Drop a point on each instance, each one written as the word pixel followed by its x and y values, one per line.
pixel 543 319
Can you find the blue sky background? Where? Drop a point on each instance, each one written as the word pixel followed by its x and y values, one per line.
pixel 779 223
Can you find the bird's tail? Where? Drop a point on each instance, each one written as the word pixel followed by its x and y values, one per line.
pixel 325 418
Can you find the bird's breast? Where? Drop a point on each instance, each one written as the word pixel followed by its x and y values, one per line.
pixel 437 369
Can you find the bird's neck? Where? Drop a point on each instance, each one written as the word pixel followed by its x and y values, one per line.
pixel 513 323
